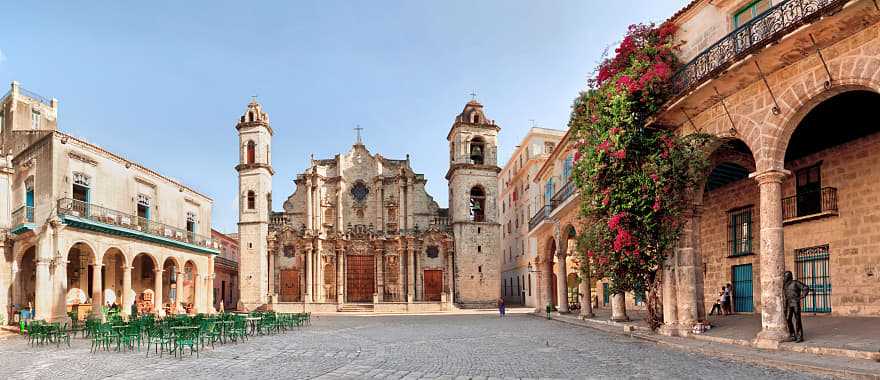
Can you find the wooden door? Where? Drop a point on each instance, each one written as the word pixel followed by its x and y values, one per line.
pixel 289 285
pixel 360 278
pixel 433 285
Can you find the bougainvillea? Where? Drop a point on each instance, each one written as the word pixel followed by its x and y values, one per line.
pixel 634 179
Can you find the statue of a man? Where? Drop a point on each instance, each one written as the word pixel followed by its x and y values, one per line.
pixel 794 291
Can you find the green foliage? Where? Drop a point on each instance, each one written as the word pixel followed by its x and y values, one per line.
pixel 634 180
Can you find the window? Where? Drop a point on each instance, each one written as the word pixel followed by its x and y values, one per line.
pixel 251 152
pixel 433 252
pixel 29 192
pixel 548 192
pixel 750 11
pixel 567 166
pixel 251 200
pixel 548 147
pixel 191 222
pixel 478 204
pixel 478 149
pixel 359 191
pixel 81 185
pixel 809 190
pixel 740 228
pixel 143 207
pixel 35 119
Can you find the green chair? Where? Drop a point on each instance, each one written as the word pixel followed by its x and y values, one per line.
pixel 208 331
pixel 239 329
pixel 130 335
pixel 186 338
pixel 102 336
pixel 61 334
pixel 161 339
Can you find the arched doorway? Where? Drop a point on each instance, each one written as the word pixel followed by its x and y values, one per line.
pixel 143 282
pixel 189 287
pixel 170 284
pixel 550 259
pixel 112 276
pixel 26 281
pixel 80 279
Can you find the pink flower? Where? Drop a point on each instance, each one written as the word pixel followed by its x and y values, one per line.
pixel 620 154
pixel 655 177
pixel 604 146
pixel 615 220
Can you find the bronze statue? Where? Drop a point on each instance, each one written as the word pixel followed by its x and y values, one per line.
pixel 794 291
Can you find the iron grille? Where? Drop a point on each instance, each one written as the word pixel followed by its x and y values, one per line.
pixel 812 269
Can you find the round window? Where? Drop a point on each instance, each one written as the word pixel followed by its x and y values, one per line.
pixel 359 191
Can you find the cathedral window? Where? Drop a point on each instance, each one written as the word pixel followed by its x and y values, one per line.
pixel 191 222
pixel 433 252
pixel 251 116
pixel 478 204
pixel 35 119
pixel 359 191
pixel 478 149
pixel 251 152
pixel 143 207
pixel 81 184
pixel 251 200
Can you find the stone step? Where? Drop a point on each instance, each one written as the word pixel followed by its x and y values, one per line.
pixel 356 308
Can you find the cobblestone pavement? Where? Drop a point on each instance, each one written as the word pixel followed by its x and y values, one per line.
pixel 441 346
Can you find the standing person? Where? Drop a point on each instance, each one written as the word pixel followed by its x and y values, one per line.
pixel 725 296
pixel 501 307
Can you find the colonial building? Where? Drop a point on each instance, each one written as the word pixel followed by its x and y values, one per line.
pixel 517 206
pixel 85 227
pixel 790 88
pixel 361 233
pixel 226 271
pixel 553 228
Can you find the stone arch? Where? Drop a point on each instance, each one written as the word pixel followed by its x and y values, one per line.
pixel 114 260
pixel 477 149
pixel 802 97
pixel 81 258
pixel 190 286
pixel 478 204
pixel 170 267
pixel 730 159
pixel 24 285
pixel 250 148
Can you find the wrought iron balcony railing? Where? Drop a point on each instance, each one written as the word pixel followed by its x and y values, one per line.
pixel 774 23
pixel 83 210
pixel 818 202
pixel 35 96
pixel 22 215
pixel 542 214
pixel 563 194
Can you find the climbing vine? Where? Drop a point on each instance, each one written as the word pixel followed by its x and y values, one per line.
pixel 634 178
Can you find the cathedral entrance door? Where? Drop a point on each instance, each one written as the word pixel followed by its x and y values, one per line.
pixel 433 285
pixel 360 278
pixel 289 285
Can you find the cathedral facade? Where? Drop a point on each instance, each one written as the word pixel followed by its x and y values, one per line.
pixel 360 232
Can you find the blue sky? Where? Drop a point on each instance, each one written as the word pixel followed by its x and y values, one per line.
pixel 163 82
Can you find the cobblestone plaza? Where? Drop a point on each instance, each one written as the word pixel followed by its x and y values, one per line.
pixel 434 346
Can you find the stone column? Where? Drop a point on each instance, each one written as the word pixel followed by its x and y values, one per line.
pixel 380 279
pixel 340 274
pixel 309 270
pixel 181 275
pixel 97 291
pixel 209 294
pixel 127 299
pixel 309 204
pixel 319 276
pixel 670 304
pixel 43 290
pixel 410 273
pixel 546 284
pixel 157 293
pixel 59 285
pixel 618 307
pixel 689 273
pixel 585 289
pixel 773 327
pixel 561 284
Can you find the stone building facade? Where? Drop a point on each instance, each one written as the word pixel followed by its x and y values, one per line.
pixel 361 233
pixel 553 228
pixel 517 205
pixel 226 271
pixel 790 92
pixel 85 227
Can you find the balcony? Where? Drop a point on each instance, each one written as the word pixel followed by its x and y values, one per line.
pixel 279 219
pixel 810 205
pixel 779 20
pixel 542 214
pixel 93 217
pixel 563 194
pixel 22 220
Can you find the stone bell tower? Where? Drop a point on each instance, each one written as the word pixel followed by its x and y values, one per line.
pixel 255 204
pixel 473 189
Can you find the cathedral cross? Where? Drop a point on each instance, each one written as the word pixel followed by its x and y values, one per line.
pixel 473 94
pixel 358 129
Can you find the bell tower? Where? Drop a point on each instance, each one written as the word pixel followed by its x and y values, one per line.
pixel 473 190
pixel 255 204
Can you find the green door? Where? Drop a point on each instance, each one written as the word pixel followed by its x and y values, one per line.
pixel 812 269
pixel 606 294
pixel 742 289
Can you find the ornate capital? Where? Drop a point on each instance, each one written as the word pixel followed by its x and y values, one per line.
pixel 770 176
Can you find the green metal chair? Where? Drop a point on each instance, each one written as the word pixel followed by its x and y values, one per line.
pixel 61 334
pixel 161 339
pixel 102 336
pixel 186 338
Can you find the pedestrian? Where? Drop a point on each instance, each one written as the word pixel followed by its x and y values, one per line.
pixel 501 307
pixel 726 305
pixel 723 300
pixel 716 308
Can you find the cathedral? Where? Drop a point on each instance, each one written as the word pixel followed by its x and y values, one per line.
pixel 360 232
